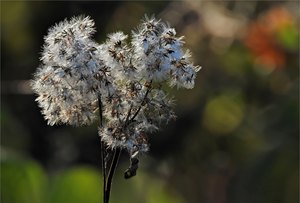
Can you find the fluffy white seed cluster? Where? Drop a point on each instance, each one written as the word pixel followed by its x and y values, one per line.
pixel 126 77
pixel 65 82
pixel 159 56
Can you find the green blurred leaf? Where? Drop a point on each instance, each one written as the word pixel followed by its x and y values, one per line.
pixel 78 185
pixel 22 182
pixel 288 37
pixel 158 194
pixel 224 113
pixel 143 188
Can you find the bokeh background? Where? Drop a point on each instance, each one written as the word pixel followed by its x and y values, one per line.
pixel 236 139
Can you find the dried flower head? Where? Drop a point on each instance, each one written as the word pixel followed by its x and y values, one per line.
pixel 125 76
pixel 65 82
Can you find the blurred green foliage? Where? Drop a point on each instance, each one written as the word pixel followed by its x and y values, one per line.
pixel 25 181
pixel 80 184
pixel 22 181
pixel 288 37
pixel 224 113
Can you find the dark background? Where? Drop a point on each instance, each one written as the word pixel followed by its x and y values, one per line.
pixel 236 139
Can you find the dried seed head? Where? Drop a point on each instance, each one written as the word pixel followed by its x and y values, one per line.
pixel 126 76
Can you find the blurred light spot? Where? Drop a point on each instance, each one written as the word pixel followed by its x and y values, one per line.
pixel 262 68
pixel 155 190
pixel 288 37
pixel 15 26
pixel 235 62
pixel 81 184
pixel 16 87
pixel 280 83
pixel 221 23
pixel 220 45
pixel 270 35
pixel 22 181
pixel 223 114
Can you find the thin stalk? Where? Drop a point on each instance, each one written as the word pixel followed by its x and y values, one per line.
pixel 103 152
pixel 111 173
pixel 140 107
pixel 107 179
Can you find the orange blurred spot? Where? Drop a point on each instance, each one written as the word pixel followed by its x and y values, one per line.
pixel 261 37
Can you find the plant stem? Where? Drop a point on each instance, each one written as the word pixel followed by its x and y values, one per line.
pixel 107 180
pixel 103 152
pixel 111 173
pixel 140 107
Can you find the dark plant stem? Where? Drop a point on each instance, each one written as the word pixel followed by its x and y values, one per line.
pixel 140 107
pixel 107 180
pixel 111 172
pixel 103 151
pixel 103 154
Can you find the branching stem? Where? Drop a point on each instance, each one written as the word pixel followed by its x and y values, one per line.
pixel 107 178
pixel 140 107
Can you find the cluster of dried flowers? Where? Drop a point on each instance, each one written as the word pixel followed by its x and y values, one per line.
pixel 125 77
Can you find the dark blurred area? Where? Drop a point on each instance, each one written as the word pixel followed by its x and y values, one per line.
pixel 236 139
